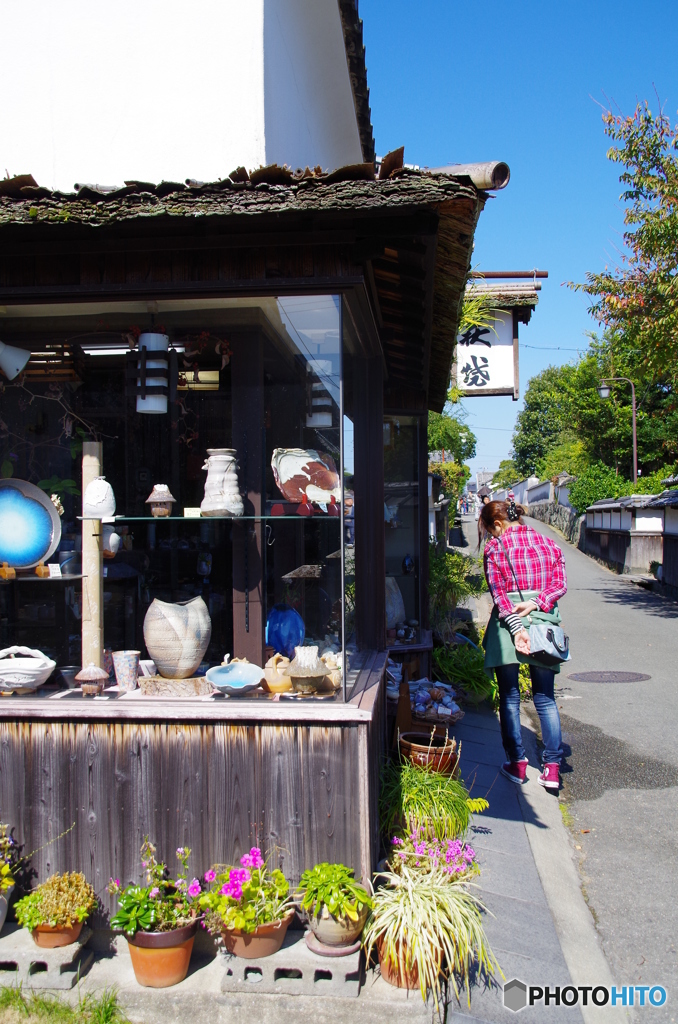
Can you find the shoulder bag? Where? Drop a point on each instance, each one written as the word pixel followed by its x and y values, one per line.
pixel 548 642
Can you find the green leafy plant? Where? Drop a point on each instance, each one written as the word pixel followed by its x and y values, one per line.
pixel 423 920
pixel 333 886
pixel 7 859
pixel 452 577
pixel 60 902
pixel 47 1009
pixel 56 484
pixel 245 897
pixel 465 665
pixel 415 798
pixel 163 904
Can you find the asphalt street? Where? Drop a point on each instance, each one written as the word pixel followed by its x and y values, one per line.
pixel 621 773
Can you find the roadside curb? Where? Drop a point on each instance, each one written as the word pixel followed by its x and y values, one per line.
pixel 554 857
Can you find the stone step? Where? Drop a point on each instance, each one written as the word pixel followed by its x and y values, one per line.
pixel 23 963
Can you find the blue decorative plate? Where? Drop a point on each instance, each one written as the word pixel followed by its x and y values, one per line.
pixel 30 527
pixel 236 679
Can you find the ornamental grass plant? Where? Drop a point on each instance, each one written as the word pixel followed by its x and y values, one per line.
pixel 429 922
pixel 60 902
pixel 17 1007
pixel 416 799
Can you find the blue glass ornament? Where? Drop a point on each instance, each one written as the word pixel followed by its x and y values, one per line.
pixel 285 629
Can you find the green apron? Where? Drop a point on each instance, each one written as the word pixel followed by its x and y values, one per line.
pixel 498 642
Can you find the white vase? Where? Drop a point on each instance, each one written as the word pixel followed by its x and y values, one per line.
pixel 177 636
pixel 99 500
pixel 222 494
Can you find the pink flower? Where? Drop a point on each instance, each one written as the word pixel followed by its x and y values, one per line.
pixel 253 859
pixel 232 889
pixel 180 851
pixel 180 885
pixel 239 875
pixel 210 875
pixel 194 888
pixel 154 892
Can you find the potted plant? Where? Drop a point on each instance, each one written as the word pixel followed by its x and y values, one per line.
pixel 337 906
pixel 452 855
pixel 55 912
pixel 159 920
pixel 416 797
pixel 426 926
pixel 248 908
pixel 7 861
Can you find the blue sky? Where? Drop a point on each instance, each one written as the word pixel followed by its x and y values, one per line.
pixel 456 82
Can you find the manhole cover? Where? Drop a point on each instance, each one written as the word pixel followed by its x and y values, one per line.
pixel 609 677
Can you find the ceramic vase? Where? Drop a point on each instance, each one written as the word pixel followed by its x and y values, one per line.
pixel 285 629
pixel 177 636
pixel 126 665
pixel 222 495
pixel 99 500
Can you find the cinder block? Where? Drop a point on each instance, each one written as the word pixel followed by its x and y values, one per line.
pixel 294 970
pixel 24 963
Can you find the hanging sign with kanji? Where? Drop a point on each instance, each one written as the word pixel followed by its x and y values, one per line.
pixel 487 358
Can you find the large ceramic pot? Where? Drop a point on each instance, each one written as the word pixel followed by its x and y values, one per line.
pixel 265 940
pixel 48 937
pixel 222 494
pixel 440 753
pixel 99 500
pixel 177 636
pixel 285 629
pixel 161 959
pixel 398 973
pixel 395 606
pixel 5 897
pixel 23 669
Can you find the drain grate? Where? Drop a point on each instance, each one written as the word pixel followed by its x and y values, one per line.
pixel 609 677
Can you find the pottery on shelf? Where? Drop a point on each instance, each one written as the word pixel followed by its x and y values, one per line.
pixel 161 959
pixel 48 937
pixel 160 499
pixel 30 526
pixel 304 475
pixel 265 940
pixel 276 679
pixel 98 501
pixel 222 494
pixel 438 753
pixel 92 680
pixel 110 541
pixel 126 665
pixel 333 663
pixel 395 606
pixel 307 671
pixel 23 669
pixel 285 629
pixel 177 636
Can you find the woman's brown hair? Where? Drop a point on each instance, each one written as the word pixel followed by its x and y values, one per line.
pixel 498 511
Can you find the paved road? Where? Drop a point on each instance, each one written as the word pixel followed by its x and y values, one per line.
pixel 623 786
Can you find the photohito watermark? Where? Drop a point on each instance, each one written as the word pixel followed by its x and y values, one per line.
pixel 518 995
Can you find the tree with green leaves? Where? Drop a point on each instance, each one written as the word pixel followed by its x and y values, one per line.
pixel 638 298
pixel 506 475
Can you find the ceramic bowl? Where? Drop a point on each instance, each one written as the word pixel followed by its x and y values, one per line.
pixel 30 527
pixel 26 672
pixel 237 679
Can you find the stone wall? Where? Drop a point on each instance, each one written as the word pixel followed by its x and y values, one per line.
pixel 562 519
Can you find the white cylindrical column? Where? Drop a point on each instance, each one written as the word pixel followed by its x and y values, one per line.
pixel 159 343
pixel 92 565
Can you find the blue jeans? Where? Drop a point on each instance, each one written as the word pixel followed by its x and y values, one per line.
pixel 544 701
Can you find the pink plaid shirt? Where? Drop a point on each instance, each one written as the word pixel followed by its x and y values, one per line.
pixel 539 565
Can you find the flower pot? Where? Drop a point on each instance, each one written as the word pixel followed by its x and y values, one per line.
pixel 161 959
pixel 398 973
pixel 337 931
pixel 265 940
pixel 5 897
pixel 439 753
pixel 48 937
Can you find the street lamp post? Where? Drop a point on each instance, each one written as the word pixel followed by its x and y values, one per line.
pixel 604 392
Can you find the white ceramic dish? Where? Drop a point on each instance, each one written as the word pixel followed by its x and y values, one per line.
pixel 26 672
pixel 236 679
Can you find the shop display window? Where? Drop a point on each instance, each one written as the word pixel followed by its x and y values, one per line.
pixel 230 455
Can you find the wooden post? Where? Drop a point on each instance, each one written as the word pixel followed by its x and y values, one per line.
pixel 92 565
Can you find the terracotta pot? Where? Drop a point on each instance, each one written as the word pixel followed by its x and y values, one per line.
pixel 438 752
pixel 49 938
pixel 398 974
pixel 265 940
pixel 337 931
pixel 161 959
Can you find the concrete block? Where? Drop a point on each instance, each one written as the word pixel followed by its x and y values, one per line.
pixel 24 963
pixel 294 970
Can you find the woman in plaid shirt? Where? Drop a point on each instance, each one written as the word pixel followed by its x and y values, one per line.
pixel 539 569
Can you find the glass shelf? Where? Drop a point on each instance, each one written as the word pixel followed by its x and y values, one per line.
pixel 316 517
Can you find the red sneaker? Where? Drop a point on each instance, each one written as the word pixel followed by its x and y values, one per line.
pixel 550 776
pixel 515 771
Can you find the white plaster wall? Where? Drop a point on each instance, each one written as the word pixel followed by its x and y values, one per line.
pixel 309 110
pixel 648 520
pixel 671 520
pixel 157 90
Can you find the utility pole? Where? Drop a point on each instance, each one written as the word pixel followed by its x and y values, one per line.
pixel 604 392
